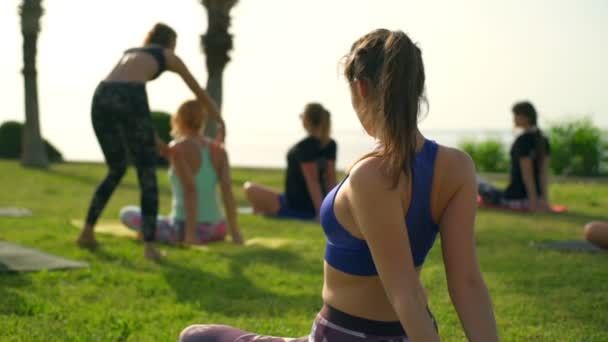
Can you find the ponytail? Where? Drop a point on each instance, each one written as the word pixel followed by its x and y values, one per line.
pixel 527 110
pixel 392 65
pixel 319 119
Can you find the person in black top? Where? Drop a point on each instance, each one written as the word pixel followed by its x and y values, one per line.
pixel 121 119
pixel 529 168
pixel 311 172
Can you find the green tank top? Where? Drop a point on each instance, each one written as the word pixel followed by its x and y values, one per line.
pixel 208 210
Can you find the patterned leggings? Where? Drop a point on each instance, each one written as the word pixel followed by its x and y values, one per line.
pixel 172 231
pixel 331 325
pixel 121 120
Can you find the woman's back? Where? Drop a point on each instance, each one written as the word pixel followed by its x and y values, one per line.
pixel 198 156
pixel 139 65
pixel 372 301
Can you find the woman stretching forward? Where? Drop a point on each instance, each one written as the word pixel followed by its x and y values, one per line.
pixel 383 218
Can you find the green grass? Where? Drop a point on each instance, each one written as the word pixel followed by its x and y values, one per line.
pixel 538 295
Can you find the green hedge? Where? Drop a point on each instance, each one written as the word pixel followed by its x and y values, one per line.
pixel 577 148
pixel 489 155
pixel 10 143
pixel 162 124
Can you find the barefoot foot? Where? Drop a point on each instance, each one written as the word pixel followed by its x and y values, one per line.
pixel 152 253
pixel 87 239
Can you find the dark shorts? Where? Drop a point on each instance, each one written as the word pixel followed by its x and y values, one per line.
pixel 286 212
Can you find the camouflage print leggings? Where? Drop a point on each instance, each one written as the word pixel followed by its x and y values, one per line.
pixel 121 120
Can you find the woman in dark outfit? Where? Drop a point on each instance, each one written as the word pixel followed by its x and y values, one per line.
pixel 121 120
pixel 311 172
pixel 529 170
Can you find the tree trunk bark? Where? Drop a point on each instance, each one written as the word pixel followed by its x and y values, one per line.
pixel 216 43
pixel 33 151
pixel 214 89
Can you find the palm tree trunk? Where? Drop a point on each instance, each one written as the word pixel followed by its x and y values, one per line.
pixel 216 43
pixel 33 152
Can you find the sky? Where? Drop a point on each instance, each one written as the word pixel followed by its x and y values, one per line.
pixel 480 57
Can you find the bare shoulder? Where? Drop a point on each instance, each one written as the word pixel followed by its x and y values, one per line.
pixel 369 176
pixel 457 166
pixel 182 147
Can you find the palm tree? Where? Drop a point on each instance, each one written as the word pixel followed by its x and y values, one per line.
pixel 33 153
pixel 216 43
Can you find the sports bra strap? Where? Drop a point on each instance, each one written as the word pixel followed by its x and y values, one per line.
pixel 422 178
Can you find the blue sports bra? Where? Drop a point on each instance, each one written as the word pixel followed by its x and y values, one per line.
pixel 351 255
pixel 156 51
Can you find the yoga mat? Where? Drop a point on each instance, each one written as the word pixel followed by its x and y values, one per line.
pixel 556 208
pixel 115 228
pixel 570 246
pixel 15 258
pixel 245 210
pixel 269 242
pixel 15 212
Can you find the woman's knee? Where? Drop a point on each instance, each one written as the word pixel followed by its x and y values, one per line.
pixel 250 189
pixel 130 216
pixel 202 332
pixel 597 233
pixel 117 171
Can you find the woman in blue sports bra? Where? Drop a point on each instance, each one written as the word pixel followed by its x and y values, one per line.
pixel 383 218
pixel 121 120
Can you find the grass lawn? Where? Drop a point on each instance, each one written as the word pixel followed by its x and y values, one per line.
pixel 538 295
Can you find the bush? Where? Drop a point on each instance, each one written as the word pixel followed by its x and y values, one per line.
pixel 488 155
pixel 162 124
pixel 10 143
pixel 577 148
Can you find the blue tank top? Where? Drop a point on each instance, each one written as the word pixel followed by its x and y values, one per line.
pixel 351 255
pixel 156 51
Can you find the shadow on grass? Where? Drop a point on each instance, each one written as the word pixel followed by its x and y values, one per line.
pixel 11 302
pixel 236 294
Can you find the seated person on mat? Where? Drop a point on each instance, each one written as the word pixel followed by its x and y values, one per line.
pixel 384 217
pixel 311 172
pixel 597 233
pixel 197 165
pixel 528 185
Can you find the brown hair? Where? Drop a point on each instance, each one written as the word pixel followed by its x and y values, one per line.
pixel 391 64
pixel 161 34
pixel 527 110
pixel 190 114
pixel 318 117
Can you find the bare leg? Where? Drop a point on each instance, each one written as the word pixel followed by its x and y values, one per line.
pixel 597 233
pixel 264 200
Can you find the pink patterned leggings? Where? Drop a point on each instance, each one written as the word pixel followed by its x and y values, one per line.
pixel 172 231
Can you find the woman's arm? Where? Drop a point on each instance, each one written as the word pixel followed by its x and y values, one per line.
pixel 544 180
pixel 378 210
pixel 186 178
pixel 228 197
pixel 527 174
pixel 330 175
pixel 161 146
pixel 310 170
pixel 465 282
pixel 176 65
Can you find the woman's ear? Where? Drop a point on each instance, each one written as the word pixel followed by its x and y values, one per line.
pixel 362 88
